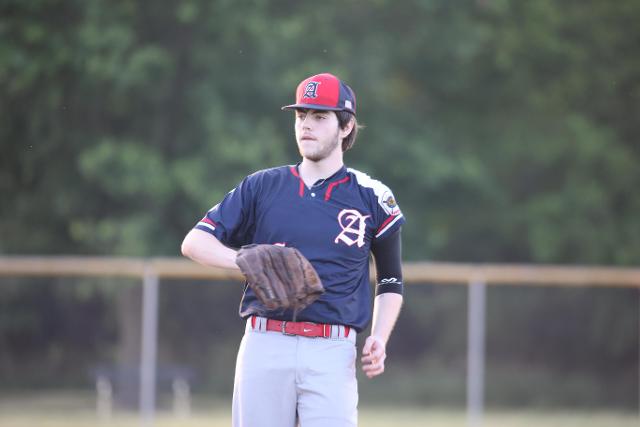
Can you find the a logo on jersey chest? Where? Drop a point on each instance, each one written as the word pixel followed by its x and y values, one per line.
pixel 353 227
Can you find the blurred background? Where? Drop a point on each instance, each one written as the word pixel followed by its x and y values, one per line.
pixel 508 131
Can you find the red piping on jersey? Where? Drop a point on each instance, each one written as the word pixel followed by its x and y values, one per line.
pixel 295 173
pixel 384 224
pixel 208 221
pixel 327 195
pixel 253 322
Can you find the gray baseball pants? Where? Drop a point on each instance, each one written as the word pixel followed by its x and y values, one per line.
pixel 287 381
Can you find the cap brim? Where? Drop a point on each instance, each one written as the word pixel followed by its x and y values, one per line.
pixel 311 107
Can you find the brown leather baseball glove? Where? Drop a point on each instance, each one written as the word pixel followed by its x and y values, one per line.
pixel 281 277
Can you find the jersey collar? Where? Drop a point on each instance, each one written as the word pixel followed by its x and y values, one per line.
pixel 339 174
pixel 339 177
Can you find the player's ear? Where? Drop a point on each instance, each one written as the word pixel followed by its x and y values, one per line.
pixel 348 127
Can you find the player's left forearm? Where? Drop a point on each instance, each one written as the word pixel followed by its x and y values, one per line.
pixel 386 308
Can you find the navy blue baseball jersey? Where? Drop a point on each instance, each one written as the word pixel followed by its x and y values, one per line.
pixel 333 224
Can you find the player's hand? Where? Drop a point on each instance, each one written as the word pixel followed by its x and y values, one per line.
pixel 373 354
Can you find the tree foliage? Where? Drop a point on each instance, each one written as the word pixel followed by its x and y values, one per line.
pixel 507 129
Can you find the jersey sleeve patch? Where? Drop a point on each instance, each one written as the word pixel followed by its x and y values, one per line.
pixel 388 203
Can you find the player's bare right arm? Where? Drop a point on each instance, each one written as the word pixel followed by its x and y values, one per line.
pixel 205 249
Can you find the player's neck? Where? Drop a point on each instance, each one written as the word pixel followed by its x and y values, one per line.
pixel 311 171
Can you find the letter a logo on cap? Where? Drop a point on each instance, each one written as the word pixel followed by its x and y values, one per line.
pixel 311 90
pixel 324 92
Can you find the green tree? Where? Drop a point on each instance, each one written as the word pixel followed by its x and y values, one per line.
pixel 508 131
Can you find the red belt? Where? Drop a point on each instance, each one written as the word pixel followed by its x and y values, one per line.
pixel 305 329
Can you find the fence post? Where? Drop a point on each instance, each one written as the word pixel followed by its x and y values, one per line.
pixel 475 352
pixel 104 400
pixel 181 398
pixel 149 347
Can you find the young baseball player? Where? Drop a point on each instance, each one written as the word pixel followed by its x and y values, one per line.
pixel 300 367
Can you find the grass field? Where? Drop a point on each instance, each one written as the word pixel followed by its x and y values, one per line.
pixel 73 411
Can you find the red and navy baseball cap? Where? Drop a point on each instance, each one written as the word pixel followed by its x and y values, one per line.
pixel 324 92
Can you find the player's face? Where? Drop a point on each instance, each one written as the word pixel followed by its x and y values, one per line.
pixel 317 133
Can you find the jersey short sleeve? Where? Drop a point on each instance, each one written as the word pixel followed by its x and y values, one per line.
pixel 387 216
pixel 231 221
pixel 390 217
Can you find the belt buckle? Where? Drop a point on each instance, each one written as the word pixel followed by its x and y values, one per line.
pixel 283 329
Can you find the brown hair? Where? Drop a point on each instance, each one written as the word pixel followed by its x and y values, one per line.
pixel 344 117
